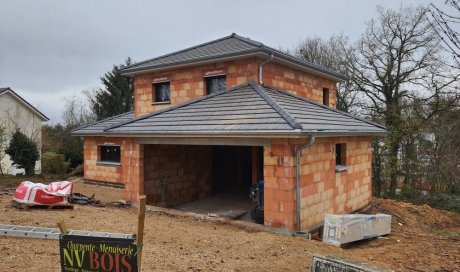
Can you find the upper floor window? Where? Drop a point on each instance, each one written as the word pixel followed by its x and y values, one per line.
pixel 326 96
pixel 216 84
pixel 109 153
pixel 340 157
pixel 162 92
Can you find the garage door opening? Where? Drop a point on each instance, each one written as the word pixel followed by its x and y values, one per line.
pixel 203 179
pixel 235 169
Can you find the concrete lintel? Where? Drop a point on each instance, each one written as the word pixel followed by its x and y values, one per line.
pixel 206 141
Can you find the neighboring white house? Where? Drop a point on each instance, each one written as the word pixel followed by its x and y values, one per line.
pixel 17 113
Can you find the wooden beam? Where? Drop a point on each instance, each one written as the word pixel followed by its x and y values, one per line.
pixel 62 226
pixel 140 229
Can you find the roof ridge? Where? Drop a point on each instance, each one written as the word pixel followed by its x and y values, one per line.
pixel 248 40
pixel 180 51
pixel 326 107
pixel 291 120
pixel 175 107
pixel 100 121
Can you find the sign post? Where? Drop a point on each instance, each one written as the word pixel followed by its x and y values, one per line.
pixel 140 229
pixel 102 253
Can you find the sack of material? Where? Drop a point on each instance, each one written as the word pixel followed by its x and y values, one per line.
pixel 55 193
pixel 342 229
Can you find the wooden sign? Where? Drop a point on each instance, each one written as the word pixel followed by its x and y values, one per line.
pixel 87 253
pixel 216 72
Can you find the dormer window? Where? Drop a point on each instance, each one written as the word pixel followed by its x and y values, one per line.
pixel 162 92
pixel 215 84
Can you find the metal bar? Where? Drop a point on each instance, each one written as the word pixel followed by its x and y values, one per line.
pixel 52 233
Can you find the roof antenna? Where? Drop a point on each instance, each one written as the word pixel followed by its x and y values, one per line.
pixel 261 69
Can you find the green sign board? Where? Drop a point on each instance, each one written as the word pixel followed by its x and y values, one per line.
pixel 94 254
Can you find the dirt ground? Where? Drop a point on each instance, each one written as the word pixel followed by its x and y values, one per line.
pixel 422 239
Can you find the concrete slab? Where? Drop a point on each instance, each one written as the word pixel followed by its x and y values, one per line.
pixel 234 206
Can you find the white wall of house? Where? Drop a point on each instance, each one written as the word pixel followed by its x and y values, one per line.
pixel 14 114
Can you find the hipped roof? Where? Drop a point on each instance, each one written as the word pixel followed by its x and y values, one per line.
pixel 226 48
pixel 246 110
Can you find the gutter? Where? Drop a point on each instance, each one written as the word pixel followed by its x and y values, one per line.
pixel 261 69
pixel 298 153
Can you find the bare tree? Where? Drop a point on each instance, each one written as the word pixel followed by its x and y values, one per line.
pixel 77 113
pixel 398 60
pixel 331 54
pixel 443 23
pixel 3 146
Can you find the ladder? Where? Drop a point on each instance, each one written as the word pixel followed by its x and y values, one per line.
pixel 53 234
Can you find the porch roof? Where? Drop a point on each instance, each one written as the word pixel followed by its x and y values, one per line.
pixel 247 110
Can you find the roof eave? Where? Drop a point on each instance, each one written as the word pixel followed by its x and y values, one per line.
pixel 347 133
pixel 297 63
pixel 260 52
pixel 255 134
pixel 167 66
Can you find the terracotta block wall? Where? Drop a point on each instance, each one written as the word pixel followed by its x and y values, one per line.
pixel 132 165
pixel 188 170
pixel 130 171
pixel 92 171
pixel 323 190
pixel 298 82
pixel 279 187
pixel 189 83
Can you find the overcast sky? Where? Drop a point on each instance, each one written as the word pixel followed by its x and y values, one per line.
pixel 50 50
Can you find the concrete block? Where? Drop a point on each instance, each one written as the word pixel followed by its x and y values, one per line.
pixel 342 229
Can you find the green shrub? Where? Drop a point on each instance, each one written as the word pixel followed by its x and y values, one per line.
pixel 23 152
pixel 444 201
pixel 54 164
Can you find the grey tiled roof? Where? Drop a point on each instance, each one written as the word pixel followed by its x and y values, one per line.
pixel 226 47
pixel 98 127
pixel 2 90
pixel 247 109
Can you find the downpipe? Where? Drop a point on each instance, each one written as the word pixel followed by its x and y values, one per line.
pixel 298 153
pixel 261 82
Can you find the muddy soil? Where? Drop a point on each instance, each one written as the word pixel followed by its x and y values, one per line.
pixel 422 239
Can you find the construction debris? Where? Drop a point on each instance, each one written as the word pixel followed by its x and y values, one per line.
pixel 78 198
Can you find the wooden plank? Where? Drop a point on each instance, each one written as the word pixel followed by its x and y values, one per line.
pixel 140 229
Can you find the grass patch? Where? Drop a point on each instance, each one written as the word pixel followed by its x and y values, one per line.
pixel 445 233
